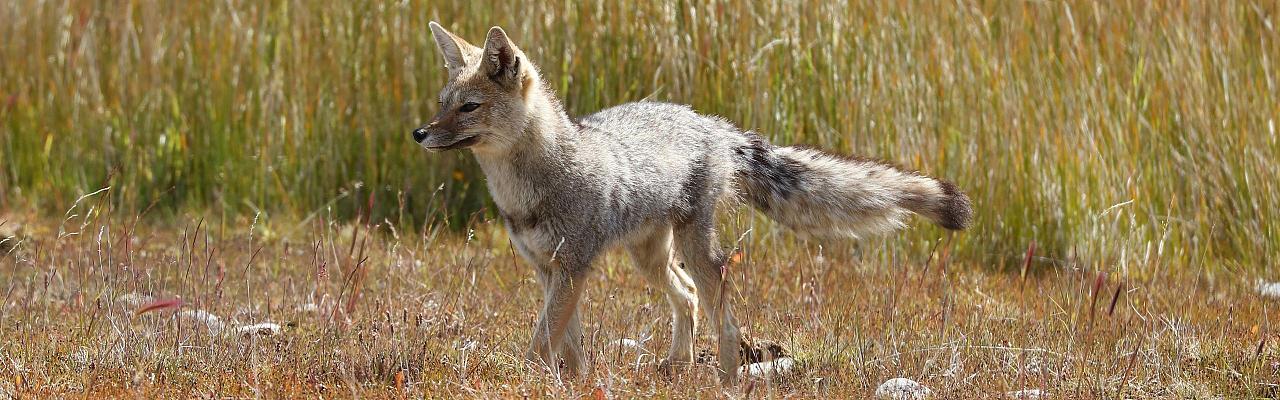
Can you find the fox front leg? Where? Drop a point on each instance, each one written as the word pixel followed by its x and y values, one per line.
pixel 562 288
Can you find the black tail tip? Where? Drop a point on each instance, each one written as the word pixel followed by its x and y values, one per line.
pixel 956 212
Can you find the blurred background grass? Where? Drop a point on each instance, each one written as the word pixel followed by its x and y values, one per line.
pixel 1137 135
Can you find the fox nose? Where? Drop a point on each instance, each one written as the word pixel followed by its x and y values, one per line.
pixel 419 135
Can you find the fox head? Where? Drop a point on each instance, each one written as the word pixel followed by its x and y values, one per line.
pixel 489 96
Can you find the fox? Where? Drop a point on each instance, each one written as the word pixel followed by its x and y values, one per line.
pixel 647 177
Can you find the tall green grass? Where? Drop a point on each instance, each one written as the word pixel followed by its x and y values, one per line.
pixel 1130 134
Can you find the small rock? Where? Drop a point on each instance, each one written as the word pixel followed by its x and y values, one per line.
pixel 627 344
pixel 212 322
pixel 1028 394
pixel 902 389
pixel 260 329
pixel 1269 289
pixel 769 369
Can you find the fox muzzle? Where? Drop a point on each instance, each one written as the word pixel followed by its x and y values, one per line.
pixel 419 135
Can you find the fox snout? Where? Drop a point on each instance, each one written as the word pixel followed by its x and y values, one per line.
pixel 437 137
pixel 438 125
pixel 419 135
pixel 427 135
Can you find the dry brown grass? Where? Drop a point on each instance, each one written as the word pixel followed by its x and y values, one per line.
pixel 371 312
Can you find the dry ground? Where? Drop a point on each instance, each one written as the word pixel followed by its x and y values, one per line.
pixel 370 311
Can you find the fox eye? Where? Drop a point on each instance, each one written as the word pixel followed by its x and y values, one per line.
pixel 469 107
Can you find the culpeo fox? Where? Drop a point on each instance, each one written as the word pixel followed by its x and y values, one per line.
pixel 648 177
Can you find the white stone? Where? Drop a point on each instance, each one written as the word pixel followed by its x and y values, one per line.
pixel 902 389
pixel 630 345
pixel 1269 289
pixel 263 329
pixel 769 369
pixel 1028 394
pixel 212 322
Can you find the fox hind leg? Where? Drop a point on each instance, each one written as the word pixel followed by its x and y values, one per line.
pixel 653 259
pixel 696 245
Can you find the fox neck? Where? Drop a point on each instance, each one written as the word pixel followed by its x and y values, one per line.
pixel 512 171
pixel 540 127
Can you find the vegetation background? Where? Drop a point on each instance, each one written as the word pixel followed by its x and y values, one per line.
pixel 1136 139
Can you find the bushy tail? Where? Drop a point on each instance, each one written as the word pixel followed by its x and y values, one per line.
pixel 818 193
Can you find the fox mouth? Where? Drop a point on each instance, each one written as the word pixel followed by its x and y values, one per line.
pixel 458 144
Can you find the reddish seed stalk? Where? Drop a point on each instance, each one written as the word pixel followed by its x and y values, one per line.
pixel 1115 298
pixel 160 305
pixel 1097 287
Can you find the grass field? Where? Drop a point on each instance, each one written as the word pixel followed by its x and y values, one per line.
pixel 253 159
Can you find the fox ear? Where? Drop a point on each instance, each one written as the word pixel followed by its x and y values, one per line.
pixel 501 59
pixel 452 48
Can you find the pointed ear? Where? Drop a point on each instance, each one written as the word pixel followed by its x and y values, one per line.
pixel 452 48
pixel 501 59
